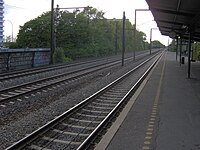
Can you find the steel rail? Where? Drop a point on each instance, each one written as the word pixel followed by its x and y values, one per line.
pixel 49 79
pixel 98 129
pixel 22 73
pixel 26 72
pixel 61 79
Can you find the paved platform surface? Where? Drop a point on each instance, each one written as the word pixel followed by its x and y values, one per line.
pixel 166 113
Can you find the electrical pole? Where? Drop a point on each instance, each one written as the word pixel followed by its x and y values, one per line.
pixel 150 40
pixel 189 54
pixel 123 38
pixel 52 32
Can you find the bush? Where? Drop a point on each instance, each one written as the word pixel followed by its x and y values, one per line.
pixel 11 45
pixel 59 56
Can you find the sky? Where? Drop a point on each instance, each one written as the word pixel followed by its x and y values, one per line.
pixel 18 12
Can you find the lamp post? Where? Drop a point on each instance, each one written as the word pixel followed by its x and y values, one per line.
pixel 12 27
pixel 135 29
pixel 151 38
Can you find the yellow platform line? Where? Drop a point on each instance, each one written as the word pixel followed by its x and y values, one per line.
pixel 154 112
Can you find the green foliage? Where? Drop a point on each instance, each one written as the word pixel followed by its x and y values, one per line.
pixel 196 51
pixel 173 45
pixel 59 56
pixel 11 45
pixel 35 33
pixel 157 44
pixel 80 34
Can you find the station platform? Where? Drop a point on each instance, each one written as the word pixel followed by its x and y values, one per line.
pixel 164 113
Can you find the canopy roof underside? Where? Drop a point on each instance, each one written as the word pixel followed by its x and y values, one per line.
pixel 177 17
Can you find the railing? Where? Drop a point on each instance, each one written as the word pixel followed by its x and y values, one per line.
pixel 17 59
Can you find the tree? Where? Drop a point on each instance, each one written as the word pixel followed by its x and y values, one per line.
pixel 11 45
pixel 140 40
pixel 196 51
pixel 157 44
pixel 173 45
pixel 8 38
pixel 59 56
pixel 80 34
pixel 35 33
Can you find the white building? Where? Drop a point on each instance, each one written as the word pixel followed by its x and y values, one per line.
pixel 1 20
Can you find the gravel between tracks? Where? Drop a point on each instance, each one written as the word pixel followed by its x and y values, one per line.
pixel 29 114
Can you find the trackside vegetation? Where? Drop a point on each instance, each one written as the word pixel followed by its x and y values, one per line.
pixel 78 34
pixel 195 53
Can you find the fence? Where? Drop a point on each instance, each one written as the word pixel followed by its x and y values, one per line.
pixel 16 59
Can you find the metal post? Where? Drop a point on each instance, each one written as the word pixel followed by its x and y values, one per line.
pixel 180 48
pixel 176 48
pixel 150 40
pixel 168 45
pixel 189 55
pixel 134 49
pixel 55 24
pixel 52 31
pixel 123 38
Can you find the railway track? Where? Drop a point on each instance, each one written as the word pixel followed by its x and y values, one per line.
pixel 15 92
pixel 80 125
pixel 7 94
pixel 31 72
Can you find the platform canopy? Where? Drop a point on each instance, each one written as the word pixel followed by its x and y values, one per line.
pixel 177 17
